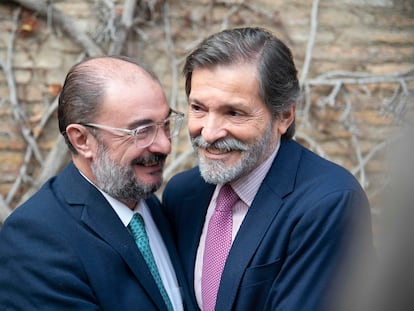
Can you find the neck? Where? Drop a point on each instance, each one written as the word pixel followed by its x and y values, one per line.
pixel 131 205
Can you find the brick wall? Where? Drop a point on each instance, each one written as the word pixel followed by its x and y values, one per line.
pixel 364 49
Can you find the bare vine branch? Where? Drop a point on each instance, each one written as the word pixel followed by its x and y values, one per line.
pixel 57 156
pixel 67 24
pixel 338 80
pixel 17 111
pixel 113 33
pixel 7 67
pixel 126 24
pixel 311 42
pixel 5 211
pixel 174 65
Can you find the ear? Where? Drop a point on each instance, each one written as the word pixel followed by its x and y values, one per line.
pixel 286 120
pixel 81 139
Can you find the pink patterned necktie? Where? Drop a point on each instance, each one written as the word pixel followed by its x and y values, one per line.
pixel 218 243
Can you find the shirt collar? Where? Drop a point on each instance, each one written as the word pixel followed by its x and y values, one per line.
pixel 247 186
pixel 123 211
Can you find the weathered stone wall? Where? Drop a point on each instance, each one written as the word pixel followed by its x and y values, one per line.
pixel 358 87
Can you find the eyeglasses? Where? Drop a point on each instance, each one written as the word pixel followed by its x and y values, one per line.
pixel 145 135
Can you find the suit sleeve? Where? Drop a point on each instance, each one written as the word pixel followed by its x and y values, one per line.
pixel 39 270
pixel 322 240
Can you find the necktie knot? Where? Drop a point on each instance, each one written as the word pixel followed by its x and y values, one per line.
pixel 137 227
pixel 226 198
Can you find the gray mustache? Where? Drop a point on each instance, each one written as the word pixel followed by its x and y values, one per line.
pixel 225 143
pixel 151 159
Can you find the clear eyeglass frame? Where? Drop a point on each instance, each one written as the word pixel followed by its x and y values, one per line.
pixel 145 135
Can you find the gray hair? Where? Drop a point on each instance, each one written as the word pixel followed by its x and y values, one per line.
pixel 278 82
pixel 83 91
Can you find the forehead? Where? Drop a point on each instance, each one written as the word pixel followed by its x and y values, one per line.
pixel 226 82
pixel 133 98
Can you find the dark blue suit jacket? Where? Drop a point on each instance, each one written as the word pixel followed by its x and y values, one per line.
pixel 66 249
pixel 290 244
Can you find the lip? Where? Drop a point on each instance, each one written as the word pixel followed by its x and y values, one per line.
pixel 156 168
pixel 215 154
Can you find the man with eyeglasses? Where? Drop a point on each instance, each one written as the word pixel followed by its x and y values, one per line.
pixel 93 237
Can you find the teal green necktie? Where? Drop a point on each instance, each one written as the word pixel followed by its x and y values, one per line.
pixel 137 228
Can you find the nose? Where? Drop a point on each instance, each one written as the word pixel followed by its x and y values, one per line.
pixel 161 143
pixel 213 129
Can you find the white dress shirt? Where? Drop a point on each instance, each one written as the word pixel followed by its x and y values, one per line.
pixel 161 256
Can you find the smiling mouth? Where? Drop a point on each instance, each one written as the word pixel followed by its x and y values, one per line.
pixel 150 164
pixel 153 161
pixel 218 151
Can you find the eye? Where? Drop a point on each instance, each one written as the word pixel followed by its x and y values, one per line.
pixel 167 126
pixel 144 131
pixel 195 107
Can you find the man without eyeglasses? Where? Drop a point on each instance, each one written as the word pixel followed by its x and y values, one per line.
pixel 262 223
pixel 93 237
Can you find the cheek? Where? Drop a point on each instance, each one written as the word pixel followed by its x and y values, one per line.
pixel 250 131
pixel 253 135
pixel 124 156
pixel 194 126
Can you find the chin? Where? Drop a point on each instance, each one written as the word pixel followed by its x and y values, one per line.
pixel 215 172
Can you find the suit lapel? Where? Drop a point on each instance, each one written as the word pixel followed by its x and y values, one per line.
pixel 195 208
pixel 167 236
pixel 278 183
pixel 97 214
pixel 162 224
pixel 165 231
pixel 259 217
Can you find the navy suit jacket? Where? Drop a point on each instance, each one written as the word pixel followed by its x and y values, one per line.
pixel 66 249
pixel 290 244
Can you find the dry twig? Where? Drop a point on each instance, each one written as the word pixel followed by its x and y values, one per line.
pixel 67 24
pixel 124 28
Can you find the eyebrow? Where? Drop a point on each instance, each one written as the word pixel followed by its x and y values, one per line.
pixel 138 123
pixel 227 105
pixel 195 101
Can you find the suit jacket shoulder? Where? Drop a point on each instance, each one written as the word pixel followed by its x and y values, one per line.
pixel 66 249
pixel 290 243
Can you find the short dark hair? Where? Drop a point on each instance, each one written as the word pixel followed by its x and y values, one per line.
pixel 278 82
pixel 84 90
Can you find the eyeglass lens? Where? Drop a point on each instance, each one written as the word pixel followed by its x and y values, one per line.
pixel 145 136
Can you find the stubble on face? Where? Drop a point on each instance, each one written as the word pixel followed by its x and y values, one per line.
pixel 251 156
pixel 120 181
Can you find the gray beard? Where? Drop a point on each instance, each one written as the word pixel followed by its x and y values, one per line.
pixel 215 171
pixel 119 181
